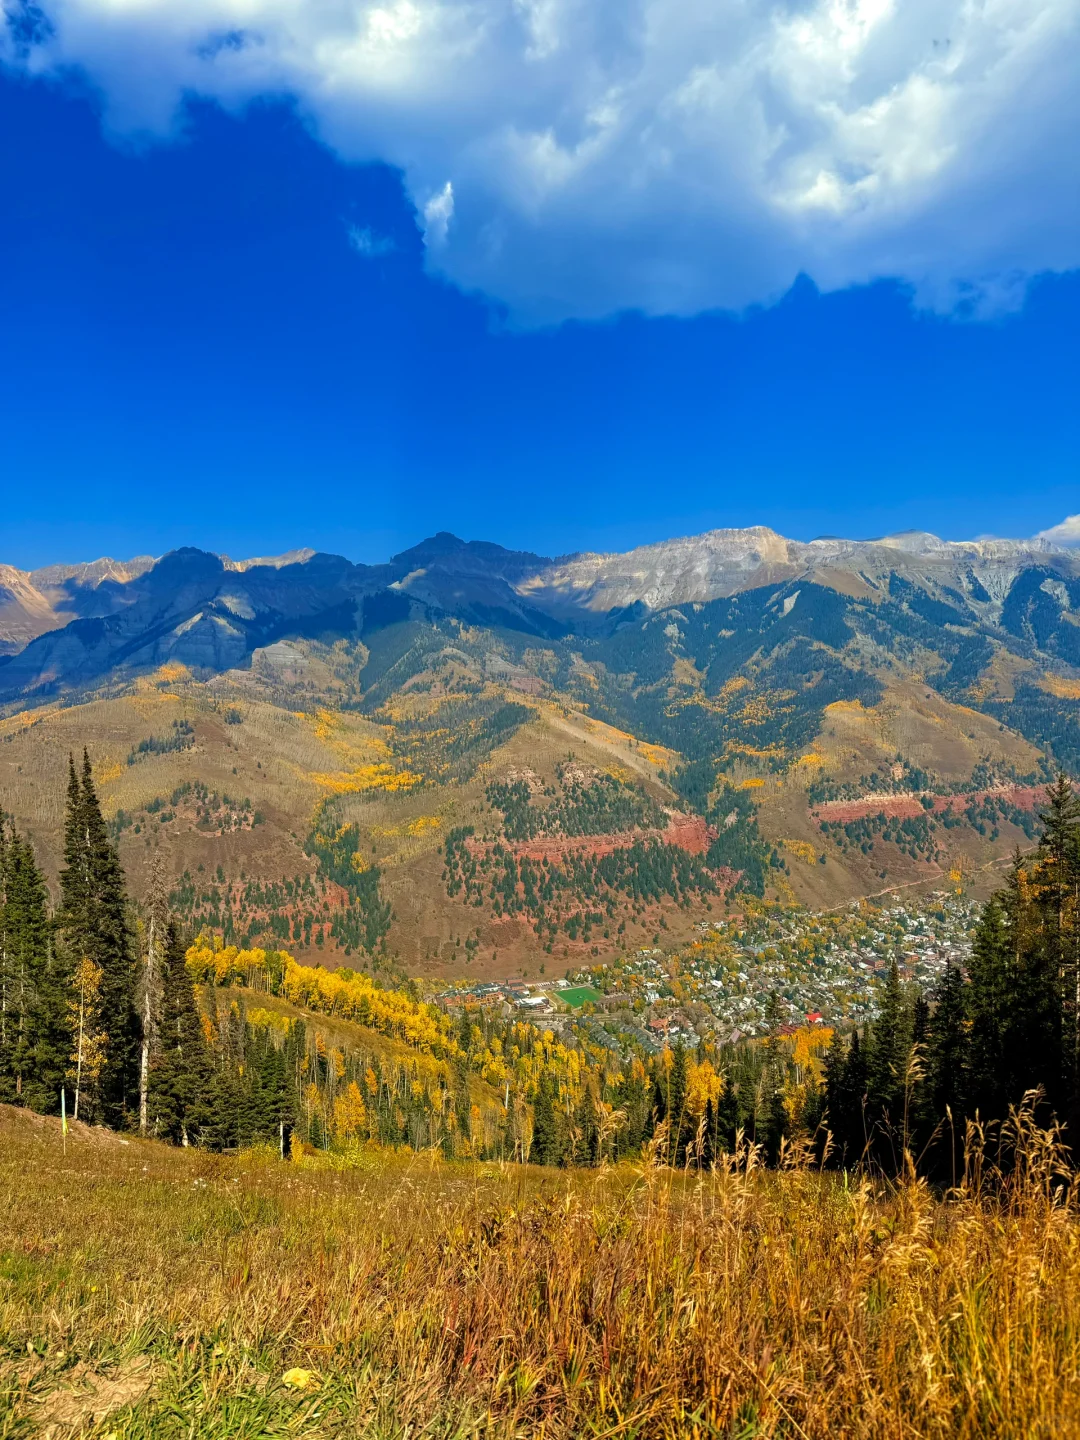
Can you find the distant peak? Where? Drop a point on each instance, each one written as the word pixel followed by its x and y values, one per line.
pixel 439 544
pixel 443 546
pixel 914 542
pixel 271 562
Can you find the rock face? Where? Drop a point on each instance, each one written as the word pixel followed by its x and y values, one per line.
pixel 722 562
pixel 35 601
pixel 68 627
pixel 674 572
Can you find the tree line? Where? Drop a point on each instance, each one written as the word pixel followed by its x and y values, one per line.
pixel 1005 1026
pixel 99 1003
pixel 97 1011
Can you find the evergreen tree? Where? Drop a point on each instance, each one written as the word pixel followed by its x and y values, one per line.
pixel 676 1106
pixel 729 1117
pixel 546 1148
pixel 776 1121
pixel 1032 1005
pixel 948 1083
pixel 921 1112
pixel 949 1046
pixel 845 1097
pixel 93 925
pixel 635 1098
pixel 659 1099
pixel 709 1142
pixel 1058 879
pixel 33 1053
pixel 586 1129
pixel 887 1065
pixel 836 1103
pixel 988 1007
pixel 179 1079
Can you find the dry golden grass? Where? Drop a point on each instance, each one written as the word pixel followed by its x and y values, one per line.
pixel 407 1296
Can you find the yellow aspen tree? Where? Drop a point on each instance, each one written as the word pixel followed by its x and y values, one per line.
pixel 90 1041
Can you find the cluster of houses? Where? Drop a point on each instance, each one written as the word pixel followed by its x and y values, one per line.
pixel 820 968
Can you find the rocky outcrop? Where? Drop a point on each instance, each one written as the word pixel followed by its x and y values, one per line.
pixel 706 567
pixel 686 832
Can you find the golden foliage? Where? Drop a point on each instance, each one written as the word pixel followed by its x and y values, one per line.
pixel 26 720
pixel 209 961
pixel 1062 688
pixel 703 1084
pixel 735 748
pixel 170 673
pixel 350 1112
pixel 267 1020
pixel 732 687
pixel 356 997
pixel 420 826
pixel 379 776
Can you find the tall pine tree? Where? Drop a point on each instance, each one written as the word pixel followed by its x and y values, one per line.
pixel 93 924
pixel 948 1081
pixel 33 1032
pixel 180 1071
pixel 887 1064
pixel 1058 879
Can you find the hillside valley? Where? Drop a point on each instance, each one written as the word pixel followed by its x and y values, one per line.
pixel 473 763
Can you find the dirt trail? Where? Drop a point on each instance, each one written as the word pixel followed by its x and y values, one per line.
pixel 927 879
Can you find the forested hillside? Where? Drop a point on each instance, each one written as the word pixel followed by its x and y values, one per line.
pixel 107 1005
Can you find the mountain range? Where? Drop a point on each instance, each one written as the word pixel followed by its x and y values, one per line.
pixel 72 624
pixel 475 756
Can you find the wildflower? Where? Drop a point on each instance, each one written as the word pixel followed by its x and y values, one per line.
pixel 298 1379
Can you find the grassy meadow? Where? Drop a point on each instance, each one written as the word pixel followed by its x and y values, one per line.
pixel 149 1291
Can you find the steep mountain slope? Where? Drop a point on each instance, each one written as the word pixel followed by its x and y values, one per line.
pixel 483 762
pixel 210 613
pixel 722 562
pixel 33 602
pixel 36 601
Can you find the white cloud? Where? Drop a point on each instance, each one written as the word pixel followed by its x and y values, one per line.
pixel 369 243
pixel 438 212
pixel 1066 534
pixel 576 157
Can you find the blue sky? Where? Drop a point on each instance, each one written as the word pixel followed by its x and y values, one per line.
pixel 232 325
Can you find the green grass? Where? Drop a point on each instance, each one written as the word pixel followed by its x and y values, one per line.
pixel 578 995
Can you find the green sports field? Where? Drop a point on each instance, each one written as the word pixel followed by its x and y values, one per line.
pixel 579 995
